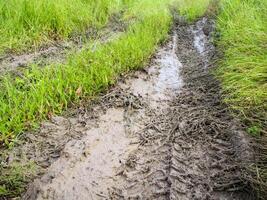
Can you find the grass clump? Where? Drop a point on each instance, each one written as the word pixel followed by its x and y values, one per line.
pixel 242 26
pixel 13 179
pixel 192 9
pixel 27 23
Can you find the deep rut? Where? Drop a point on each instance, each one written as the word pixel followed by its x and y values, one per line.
pixel 162 133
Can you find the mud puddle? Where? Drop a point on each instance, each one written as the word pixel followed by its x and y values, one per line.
pixel 161 81
pixel 162 133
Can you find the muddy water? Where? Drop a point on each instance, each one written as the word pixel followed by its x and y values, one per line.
pixel 86 167
pixel 160 134
pixel 162 80
pixel 200 40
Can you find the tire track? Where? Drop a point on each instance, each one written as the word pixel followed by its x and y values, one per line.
pixel 191 155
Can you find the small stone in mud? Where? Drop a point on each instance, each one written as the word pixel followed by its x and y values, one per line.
pixel 86 153
pixel 47 178
pixel 55 155
pixel 72 164
pixel 66 154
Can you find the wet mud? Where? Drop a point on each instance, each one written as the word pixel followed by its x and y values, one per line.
pixel 161 133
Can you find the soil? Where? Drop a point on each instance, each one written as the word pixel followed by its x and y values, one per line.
pixel 161 133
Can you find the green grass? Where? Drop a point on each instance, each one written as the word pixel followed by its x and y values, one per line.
pixel 243 71
pixel 14 178
pixel 242 25
pixel 31 23
pixel 192 9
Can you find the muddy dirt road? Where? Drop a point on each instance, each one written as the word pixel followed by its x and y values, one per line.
pixel 161 133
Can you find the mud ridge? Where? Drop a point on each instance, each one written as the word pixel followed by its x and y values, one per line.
pixel 161 133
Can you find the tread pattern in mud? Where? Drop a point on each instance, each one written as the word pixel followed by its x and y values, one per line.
pixel 185 150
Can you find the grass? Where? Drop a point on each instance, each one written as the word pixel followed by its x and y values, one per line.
pixel 32 23
pixel 243 29
pixel 192 9
pixel 14 178
pixel 242 26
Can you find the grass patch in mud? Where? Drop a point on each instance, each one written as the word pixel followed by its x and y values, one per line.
pixel 243 71
pixel 13 178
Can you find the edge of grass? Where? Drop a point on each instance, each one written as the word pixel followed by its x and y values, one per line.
pixel 192 9
pixel 242 40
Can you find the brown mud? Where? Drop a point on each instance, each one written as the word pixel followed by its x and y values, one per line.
pixel 161 133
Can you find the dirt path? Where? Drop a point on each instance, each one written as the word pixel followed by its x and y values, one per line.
pixel 162 133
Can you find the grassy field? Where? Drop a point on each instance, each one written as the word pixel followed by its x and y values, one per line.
pixel 31 23
pixel 243 71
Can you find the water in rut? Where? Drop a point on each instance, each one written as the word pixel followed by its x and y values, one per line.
pixel 160 134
